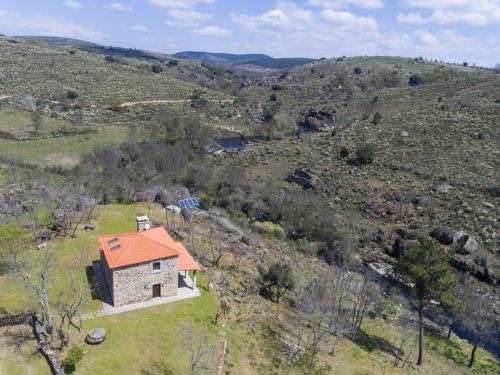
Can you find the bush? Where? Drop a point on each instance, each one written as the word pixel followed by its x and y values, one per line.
pixel 173 63
pixel 75 355
pixel 344 152
pixel 357 70
pixel 273 98
pixel 156 68
pixel 377 117
pixel 268 228
pixel 276 280
pixel 72 52
pixel 72 94
pixel 365 154
pixel 415 80
pixel 110 58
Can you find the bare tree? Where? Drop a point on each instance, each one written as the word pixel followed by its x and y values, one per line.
pixel 187 215
pixel 216 249
pixel 365 294
pixel 198 347
pixel 314 306
pixel 36 120
pixel 482 320
pixel 341 280
pixel 35 278
pixel 407 336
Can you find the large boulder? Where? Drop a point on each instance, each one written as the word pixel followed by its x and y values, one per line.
pixel 466 244
pixel 302 178
pixel 444 235
pixel 96 336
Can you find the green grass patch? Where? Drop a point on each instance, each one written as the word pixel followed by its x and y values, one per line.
pixel 62 151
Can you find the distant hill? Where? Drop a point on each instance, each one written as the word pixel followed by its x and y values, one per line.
pixel 96 48
pixel 258 60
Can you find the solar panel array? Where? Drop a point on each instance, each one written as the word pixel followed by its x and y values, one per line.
pixel 188 203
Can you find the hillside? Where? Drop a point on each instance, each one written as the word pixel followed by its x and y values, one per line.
pixel 90 75
pixel 395 149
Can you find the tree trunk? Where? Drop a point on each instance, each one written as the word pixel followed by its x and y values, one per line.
pixel 420 333
pixel 452 325
pixel 473 353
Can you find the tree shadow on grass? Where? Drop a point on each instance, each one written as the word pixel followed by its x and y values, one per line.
pixel 373 342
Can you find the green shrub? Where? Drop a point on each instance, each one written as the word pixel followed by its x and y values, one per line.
pixel 377 117
pixel 365 154
pixel 344 152
pixel 276 280
pixel 273 98
pixel 415 80
pixel 75 355
pixel 156 68
pixel 72 94
pixel 357 70
pixel 268 228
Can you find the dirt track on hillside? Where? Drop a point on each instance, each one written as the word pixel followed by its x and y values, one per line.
pixel 175 101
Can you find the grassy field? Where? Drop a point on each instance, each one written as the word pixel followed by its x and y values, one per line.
pixel 62 151
pixel 19 124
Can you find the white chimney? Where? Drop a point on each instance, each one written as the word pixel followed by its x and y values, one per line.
pixel 143 223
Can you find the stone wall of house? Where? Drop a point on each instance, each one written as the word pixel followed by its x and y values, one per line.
pixel 135 283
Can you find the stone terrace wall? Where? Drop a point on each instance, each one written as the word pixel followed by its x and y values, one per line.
pixel 135 284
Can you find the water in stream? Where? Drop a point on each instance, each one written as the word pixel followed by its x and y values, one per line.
pixel 242 141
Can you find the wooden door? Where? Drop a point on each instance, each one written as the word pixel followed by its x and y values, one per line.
pixel 156 290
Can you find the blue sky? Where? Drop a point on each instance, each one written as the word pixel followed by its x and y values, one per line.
pixel 451 30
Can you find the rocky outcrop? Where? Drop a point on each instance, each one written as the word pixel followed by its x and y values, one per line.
pixel 319 120
pixel 462 242
pixel 302 178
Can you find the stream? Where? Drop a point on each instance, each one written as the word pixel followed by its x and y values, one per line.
pixel 239 142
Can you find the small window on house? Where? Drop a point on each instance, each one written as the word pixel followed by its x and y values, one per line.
pixel 156 266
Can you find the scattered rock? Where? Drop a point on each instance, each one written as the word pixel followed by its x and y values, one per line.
pixel 89 227
pixel 466 245
pixel 41 246
pixel 442 188
pixel 482 261
pixel 96 336
pixel 444 235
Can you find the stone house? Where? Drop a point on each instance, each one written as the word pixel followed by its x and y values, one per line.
pixel 143 265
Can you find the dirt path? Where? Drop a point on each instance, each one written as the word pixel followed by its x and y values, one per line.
pixel 175 101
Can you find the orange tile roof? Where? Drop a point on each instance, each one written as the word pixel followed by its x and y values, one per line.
pixel 126 249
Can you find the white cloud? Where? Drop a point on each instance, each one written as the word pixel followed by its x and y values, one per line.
pixel 349 20
pixel 339 4
pixel 73 4
pixel 472 12
pixel 119 7
pixel 213 31
pixel 285 15
pixel 179 4
pixel 186 17
pixel 426 37
pixel 410 19
pixel 141 28
pixel 46 25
